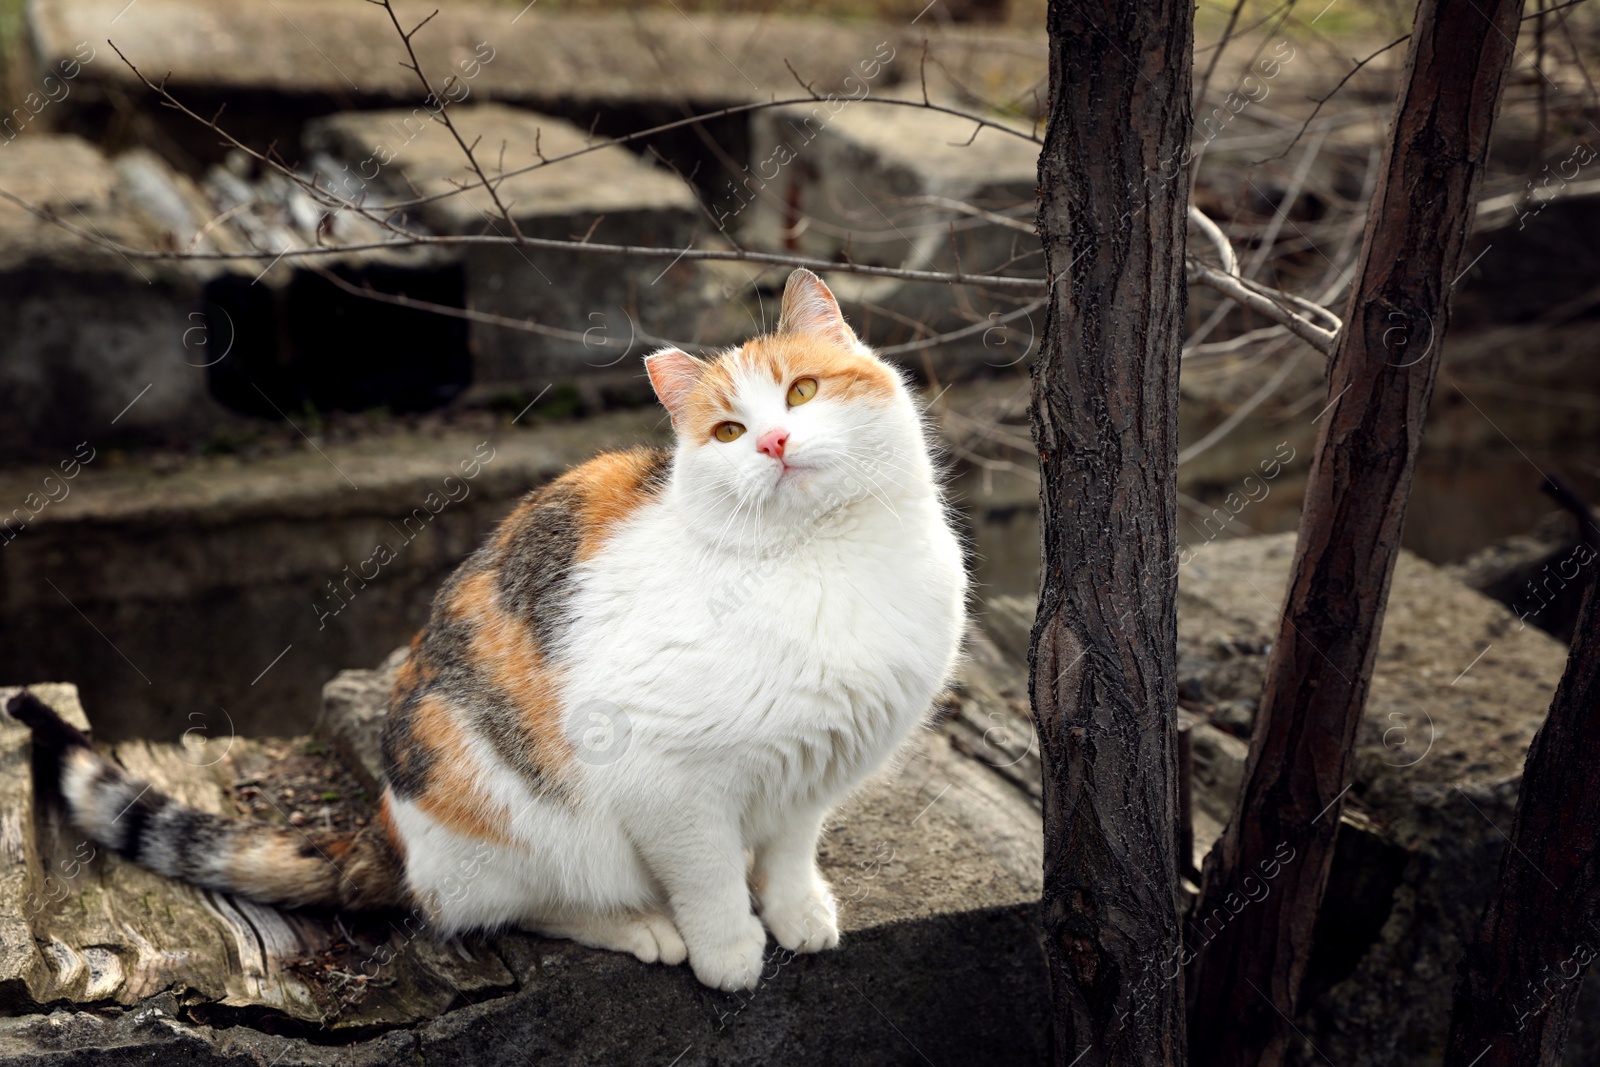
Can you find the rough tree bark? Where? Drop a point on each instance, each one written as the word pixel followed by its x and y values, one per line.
pixel 1521 974
pixel 1264 882
pixel 1105 417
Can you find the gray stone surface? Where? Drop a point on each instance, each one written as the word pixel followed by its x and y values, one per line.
pixel 605 304
pixel 95 344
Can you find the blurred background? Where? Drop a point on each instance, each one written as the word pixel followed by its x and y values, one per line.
pixel 224 479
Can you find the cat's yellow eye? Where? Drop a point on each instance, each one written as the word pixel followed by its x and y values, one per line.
pixel 728 431
pixel 802 390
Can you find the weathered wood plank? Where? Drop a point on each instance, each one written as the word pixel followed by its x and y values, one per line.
pixel 82 925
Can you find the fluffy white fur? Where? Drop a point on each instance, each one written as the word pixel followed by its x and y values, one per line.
pixel 758 645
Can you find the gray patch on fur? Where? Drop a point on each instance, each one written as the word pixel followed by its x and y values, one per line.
pixel 534 578
pixel 406 764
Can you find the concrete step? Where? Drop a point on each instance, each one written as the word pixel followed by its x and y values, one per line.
pixel 243 584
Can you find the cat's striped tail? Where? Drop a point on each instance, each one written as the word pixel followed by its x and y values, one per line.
pixel 275 865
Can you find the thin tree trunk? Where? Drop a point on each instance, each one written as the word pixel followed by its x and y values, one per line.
pixel 1520 976
pixel 1251 931
pixel 1105 414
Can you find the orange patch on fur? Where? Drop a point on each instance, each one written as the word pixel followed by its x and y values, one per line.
pixel 841 373
pixel 453 797
pixel 476 596
pixel 508 651
pixel 412 674
pixel 389 829
pixel 609 488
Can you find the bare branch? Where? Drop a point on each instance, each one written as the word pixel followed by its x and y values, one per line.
pixel 1216 56
pixel 1233 344
pixel 322 196
pixel 1244 410
pixel 1230 262
pixel 1247 294
pixel 964 208
pixel 966 331
pixel 366 292
pixel 443 114
pixel 328 197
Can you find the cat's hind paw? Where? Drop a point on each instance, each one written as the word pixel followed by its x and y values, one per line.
pixel 649 936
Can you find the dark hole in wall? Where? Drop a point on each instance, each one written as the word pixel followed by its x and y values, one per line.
pixel 1367 869
pixel 315 345
pixel 1541 592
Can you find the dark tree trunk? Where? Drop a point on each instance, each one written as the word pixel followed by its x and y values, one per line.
pixel 1264 882
pixel 1105 418
pixel 1520 976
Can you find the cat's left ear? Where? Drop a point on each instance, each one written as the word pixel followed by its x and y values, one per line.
pixel 809 308
pixel 673 375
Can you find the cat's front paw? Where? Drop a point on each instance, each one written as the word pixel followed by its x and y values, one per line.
pixel 733 962
pixel 807 921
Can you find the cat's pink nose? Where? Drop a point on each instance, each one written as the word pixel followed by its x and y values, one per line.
pixel 772 443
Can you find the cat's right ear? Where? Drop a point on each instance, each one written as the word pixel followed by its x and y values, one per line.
pixel 673 375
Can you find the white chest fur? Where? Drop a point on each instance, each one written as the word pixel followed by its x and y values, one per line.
pixel 786 675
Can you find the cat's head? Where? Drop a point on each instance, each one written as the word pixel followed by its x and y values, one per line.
pixel 793 423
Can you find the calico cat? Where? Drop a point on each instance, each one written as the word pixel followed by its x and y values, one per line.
pixel 755 619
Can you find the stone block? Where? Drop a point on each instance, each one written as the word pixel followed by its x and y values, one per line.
pixel 97 344
pixel 605 308
pixel 903 187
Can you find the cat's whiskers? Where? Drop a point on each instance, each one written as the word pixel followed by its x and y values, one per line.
pixel 870 471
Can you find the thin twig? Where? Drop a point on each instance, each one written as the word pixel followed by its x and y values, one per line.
pixel 1216 56
pixel 329 198
pixel 964 208
pixel 1552 10
pixel 803 83
pixel 1329 96
pixel 1239 414
pixel 366 292
pixel 443 114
